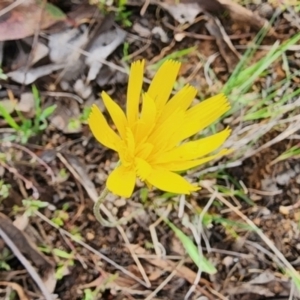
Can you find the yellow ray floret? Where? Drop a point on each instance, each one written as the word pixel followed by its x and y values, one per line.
pixel 151 141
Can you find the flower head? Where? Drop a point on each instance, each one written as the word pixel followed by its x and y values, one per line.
pixel 149 140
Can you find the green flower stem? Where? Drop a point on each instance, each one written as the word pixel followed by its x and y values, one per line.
pixel 101 220
pixel 97 206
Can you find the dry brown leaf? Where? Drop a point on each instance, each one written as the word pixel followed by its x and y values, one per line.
pixel 23 20
pixel 24 244
pixel 187 10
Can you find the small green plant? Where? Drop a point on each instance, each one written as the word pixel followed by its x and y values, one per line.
pixel 31 206
pixel 4 256
pixel 125 52
pixel 28 127
pixel 88 294
pixel 75 123
pixel 122 15
pixel 67 260
pixel 4 190
pixel 61 216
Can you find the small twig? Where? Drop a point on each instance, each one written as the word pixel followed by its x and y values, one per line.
pixel 63 94
pixel 88 247
pixel 10 7
pixel 26 264
pixel 157 245
pixel 285 210
pixel 17 288
pixel 28 184
pixel 144 7
pixel 269 243
pixel 162 285
pixel 197 232
pixel 94 197
pixel 32 154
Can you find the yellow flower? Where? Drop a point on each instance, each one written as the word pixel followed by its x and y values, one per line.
pixel 149 140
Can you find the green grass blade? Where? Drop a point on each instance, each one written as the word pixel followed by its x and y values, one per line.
pixel 202 263
pixel 8 118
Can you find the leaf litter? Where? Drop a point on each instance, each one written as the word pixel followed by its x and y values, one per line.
pixel 70 63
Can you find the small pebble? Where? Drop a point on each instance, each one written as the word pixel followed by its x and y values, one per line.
pixel 266 10
pixel 227 261
pixel 90 236
pixel 120 202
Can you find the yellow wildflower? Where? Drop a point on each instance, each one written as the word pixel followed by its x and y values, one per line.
pixel 149 140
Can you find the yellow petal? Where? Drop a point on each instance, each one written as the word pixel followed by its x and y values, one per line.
pixel 170 182
pixel 143 169
pixel 182 100
pixel 101 130
pixel 134 91
pixel 116 114
pixel 147 120
pixel 195 149
pixel 144 150
pixel 162 84
pixel 164 132
pixel 177 166
pixel 130 142
pixel 121 181
pixel 202 115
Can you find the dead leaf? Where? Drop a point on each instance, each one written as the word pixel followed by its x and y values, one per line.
pixel 186 11
pixel 26 105
pixel 23 20
pixel 23 243
pixel 263 278
pixel 102 47
pixel 26 77
pixel 38 52
pixel 110 76
pixel 82 89
pixel 64 45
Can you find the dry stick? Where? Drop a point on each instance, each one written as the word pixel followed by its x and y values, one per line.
pixel 289 131
pixel 11 7
pixel 110 216
pixel 63 94
pixel 17 288
pixel 28 184
pixel 153 234
pixel 161 286
pixel 83 244
pixel 26 264
pixel 197 237
pixel 32 154
pixel 257 230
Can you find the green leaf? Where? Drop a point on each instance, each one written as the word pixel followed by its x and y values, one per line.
pixel 202 263
pixel 8 118
pixel 34 203
pixel 48 112
pixel 63 254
